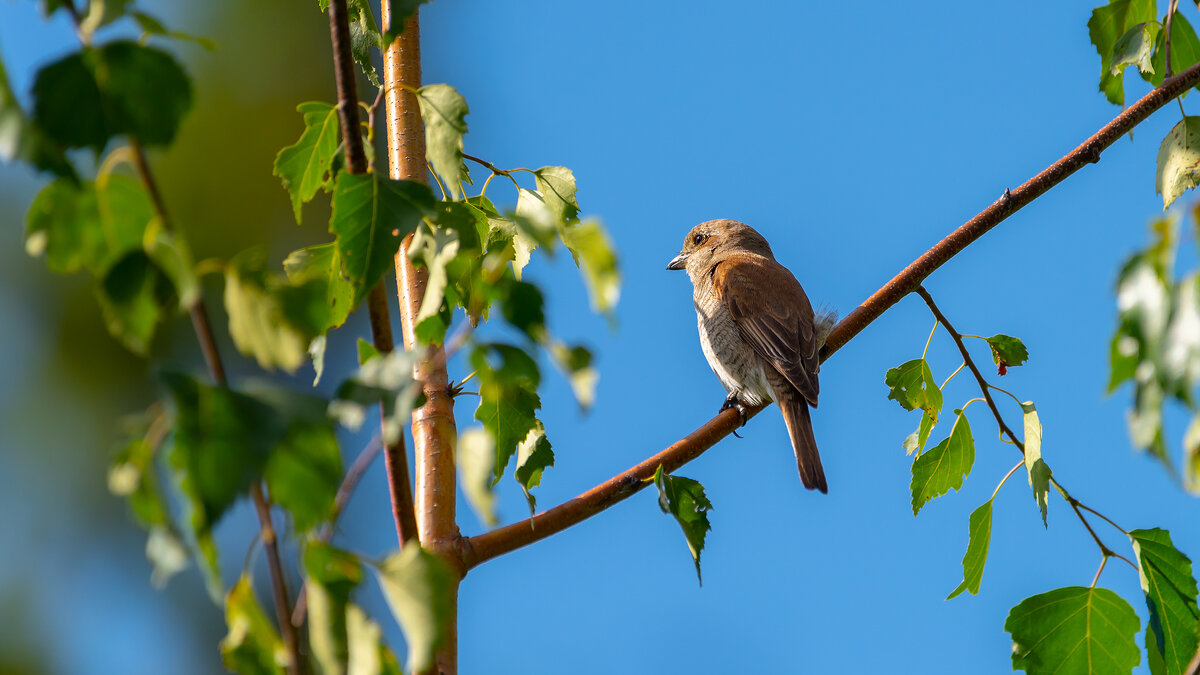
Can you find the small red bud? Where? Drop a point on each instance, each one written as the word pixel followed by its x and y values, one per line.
pixel 1002 369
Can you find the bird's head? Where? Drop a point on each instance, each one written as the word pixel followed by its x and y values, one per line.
pixel 709 243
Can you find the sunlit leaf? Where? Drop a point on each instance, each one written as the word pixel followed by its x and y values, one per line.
pixel 1135 48
pixel 1166 576
pixel 1007 351
pixel 912 385
pixel 252 646
pixel 592 248
pixel 1074 630
pixel 323 263
pixel 944 467
pixel 270 318
pixel 444 112
pixel 534 456
pixel 1178 161
pixel 684 499
pixel 980 533
pixel 556 185
pixel 1035 467
pixel 306 165
pixel 1108 23
pixel 330 575
pixel 508 398
pixel 476 458
pixel 387 379
pixel 576 362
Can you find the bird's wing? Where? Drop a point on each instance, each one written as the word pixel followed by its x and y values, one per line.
pixel 773 316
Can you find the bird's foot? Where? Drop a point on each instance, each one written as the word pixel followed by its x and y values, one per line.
pixel 732 401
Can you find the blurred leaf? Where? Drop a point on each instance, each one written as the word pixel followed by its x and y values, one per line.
pixel 167 552
pixel 476 459
pixel 251 647
pixel 366 351
pixel 444 112
pixel 418 587
pixel 1074 630
pixel 1181 342
pixel 173 259
pixel 522 304
pixel 63 223
pixel 684 499
pixel 1166 576
pixel 270 318
pixel 1035 468
pixel 304 471
pixel 980 530
pixel 306 165
pixel 1178 161
pixel 330 575
pixel 1191 456
pixel 943 468
pixel 68 104
pixel 21 139
pixel 917 439
pixel 913 387
pixel 1135 48
pixel 400 11
pixel 368 654
pixel 103 12
pixel 591 246
pixel 133 295
pixel 151 25
pixel 1007 351
pixel 556 185
pixel 387 380
pixel 371 215
pixel 322 263
pixel 437 249
pixel 534 456
pixel 508 398
pixel 576 362
pixel 1107 25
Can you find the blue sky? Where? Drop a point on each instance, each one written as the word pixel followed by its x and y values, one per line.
pixel 853 142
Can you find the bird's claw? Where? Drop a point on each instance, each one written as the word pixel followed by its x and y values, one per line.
pixel 732 401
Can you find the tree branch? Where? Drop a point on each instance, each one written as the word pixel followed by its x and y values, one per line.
pixel 216 369
pixel 399 486
pixel 488 545
pixel 433 428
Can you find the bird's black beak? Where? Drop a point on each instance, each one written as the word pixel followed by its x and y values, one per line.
pixel 678 262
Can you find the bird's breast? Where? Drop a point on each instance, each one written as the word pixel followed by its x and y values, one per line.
pixel 734 362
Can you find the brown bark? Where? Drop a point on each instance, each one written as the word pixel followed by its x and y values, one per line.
pixel 433 428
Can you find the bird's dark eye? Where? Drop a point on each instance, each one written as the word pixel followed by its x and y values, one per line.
pixel 698 239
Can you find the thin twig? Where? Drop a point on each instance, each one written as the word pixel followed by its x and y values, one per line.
pixel 216 369
pixel 349 482
pixel 399 484
pixel 488 545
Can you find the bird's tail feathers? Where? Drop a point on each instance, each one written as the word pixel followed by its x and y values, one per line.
pixel 799 424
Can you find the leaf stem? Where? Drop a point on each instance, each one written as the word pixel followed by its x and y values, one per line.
pixel 1005 391
pixel 956 372
pixel 1103 562
pixel 929 339
pixel 1006 477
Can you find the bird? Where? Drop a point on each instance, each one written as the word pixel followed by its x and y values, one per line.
pixel 758 330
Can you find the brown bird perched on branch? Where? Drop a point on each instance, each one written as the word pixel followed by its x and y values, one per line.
pixel 757 330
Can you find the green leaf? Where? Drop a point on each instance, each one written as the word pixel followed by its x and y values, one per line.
pixel 1135 48
pixel 1036 469
pixel 444 112
pixel 523 307
pixel 322 263
pixel 1185 50
pixel 1107 25
pixel 508 398
pixel 21 139
pixel 943 468
pixel 980 529
pixel 174 260
pixel 387 380
pixel 401 10
pixel 684 499
pixel 68 105
pixel 366 351
pixel 556 185
pixel 1007 351
pixel 534 456
pixel 371 215
pixel 476 460
pixel 418 587
pixel 63 223
pixel 270 318
pixel 576 362
pixel 592 248
pixel 448 252
pixel 364 35
pixel 151 25
pixel 1166 576
pixel 330 575
pixel 368 654
pixel 913 387
pixel 304 472
pixel 251 647
pixel 307 165
pixel 1074 630
pixel 1178 161
pixel 133 295
pixel 146 93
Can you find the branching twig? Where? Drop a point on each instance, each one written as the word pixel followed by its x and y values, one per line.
pixel 399 485
pixel 488 545
pixel 1076 505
